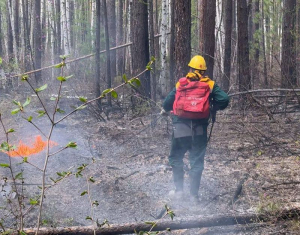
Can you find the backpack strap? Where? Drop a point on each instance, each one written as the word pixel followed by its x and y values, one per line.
pixel 206 79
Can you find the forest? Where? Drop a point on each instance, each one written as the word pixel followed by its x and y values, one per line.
pixel 84 147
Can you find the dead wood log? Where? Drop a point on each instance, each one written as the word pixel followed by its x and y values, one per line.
pixel 239 189
pixel 202 222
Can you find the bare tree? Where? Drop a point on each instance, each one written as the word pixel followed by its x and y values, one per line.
pixel 182 36
pixel 37 38
pixel 209 24
pixel 97 60
pixel 244 78
pixel 139 37
pixel 111 17
pixel 227 57
pixel 120 38
pixel 288 63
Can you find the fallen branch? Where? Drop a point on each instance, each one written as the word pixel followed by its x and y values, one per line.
pixel 284 183
pixel 262 90
pixel 207 221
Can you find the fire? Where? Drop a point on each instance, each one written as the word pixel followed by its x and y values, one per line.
pixel 24 150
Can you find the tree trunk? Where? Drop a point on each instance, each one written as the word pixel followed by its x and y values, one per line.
pixel 120 39
pixel 58 29
pixel 255 70
pixel 164 29
pixel 108 65
pixel 140 47
pixel 37 39
pixel 28 50
pixel 201 24
pixel 202 222
pixel 182 40
pixel 209 24
pixel 1 32
pixel 111 17
pixel 263 42
pixel 244 78
pixel 227 54
pixel 16 22
pixel 152 50
pixel 172 46
pixel 288 63
pixel 97 60
pixel 10 45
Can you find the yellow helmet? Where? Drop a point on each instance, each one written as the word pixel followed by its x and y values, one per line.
pixel 198 62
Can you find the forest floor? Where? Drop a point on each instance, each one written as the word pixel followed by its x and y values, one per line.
pixel 128 159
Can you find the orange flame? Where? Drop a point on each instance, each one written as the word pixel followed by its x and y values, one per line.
pixel 24 150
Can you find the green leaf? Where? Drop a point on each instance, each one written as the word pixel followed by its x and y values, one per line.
pixel 92 179
pixel 5 146
pixel 83 99
pixel 137 81
pixel 27 102
pixel 24 77
pixel 15 111
pixel 59 65
pixel 10 131
pixel 4 165
pixel 16 103
pixel 0 60
pixel 60 110
pixel 106 91
pixel 72 145
pixel 25 159
pixel 53 98
pixel 23 233
pixel 88 218
pixel 62 79
pixel 69 77
pixel 33 202
pixel 29 119
pixel 41 113
pixel 19 176
pixel 125 78
pixel 114 94
pixel 81 107
pixel 83 193
pixel 64 56
pixel 41 88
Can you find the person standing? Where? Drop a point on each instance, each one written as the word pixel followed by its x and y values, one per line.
pixel 193 101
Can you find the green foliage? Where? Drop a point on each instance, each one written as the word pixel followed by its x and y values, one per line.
pixel 41 88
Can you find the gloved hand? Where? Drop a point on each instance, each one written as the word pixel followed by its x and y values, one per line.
pixel 163 113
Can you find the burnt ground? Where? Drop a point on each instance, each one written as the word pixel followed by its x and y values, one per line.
pixel 127 158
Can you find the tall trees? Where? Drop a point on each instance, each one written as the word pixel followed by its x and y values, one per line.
pixel 209 24
pixel 111 16
pixel 1 37
pixel 139 38
pixel 288 63
pixel 120 38
pixel 97 60
pixel 243 46
pixel 182 36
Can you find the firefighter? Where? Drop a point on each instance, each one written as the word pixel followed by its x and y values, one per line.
pixel 189 133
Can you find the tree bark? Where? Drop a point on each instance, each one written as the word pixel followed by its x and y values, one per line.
pixel 10 45
pixel 164 29
pixel 244 78
pixel 207 221
pixel 228 34
pixel 288 63
pixel 97 59
pixel 182 40
pixel 1 32
pixel 111 17
pixel 108 67
pixel 58 29
pixel 16 22
pixel 37 39
pixel 209 24
pixel 152 50
pixel 140 48
pixel 172 46
pixel 120 39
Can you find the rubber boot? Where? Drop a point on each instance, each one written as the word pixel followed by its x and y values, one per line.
pixel 195 178
pixel 178 175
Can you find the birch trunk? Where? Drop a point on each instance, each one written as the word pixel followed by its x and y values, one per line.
pixel 163 79
pixel 12 22
pixel 64 27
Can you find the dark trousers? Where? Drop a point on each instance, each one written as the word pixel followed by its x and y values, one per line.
pixel 196 145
